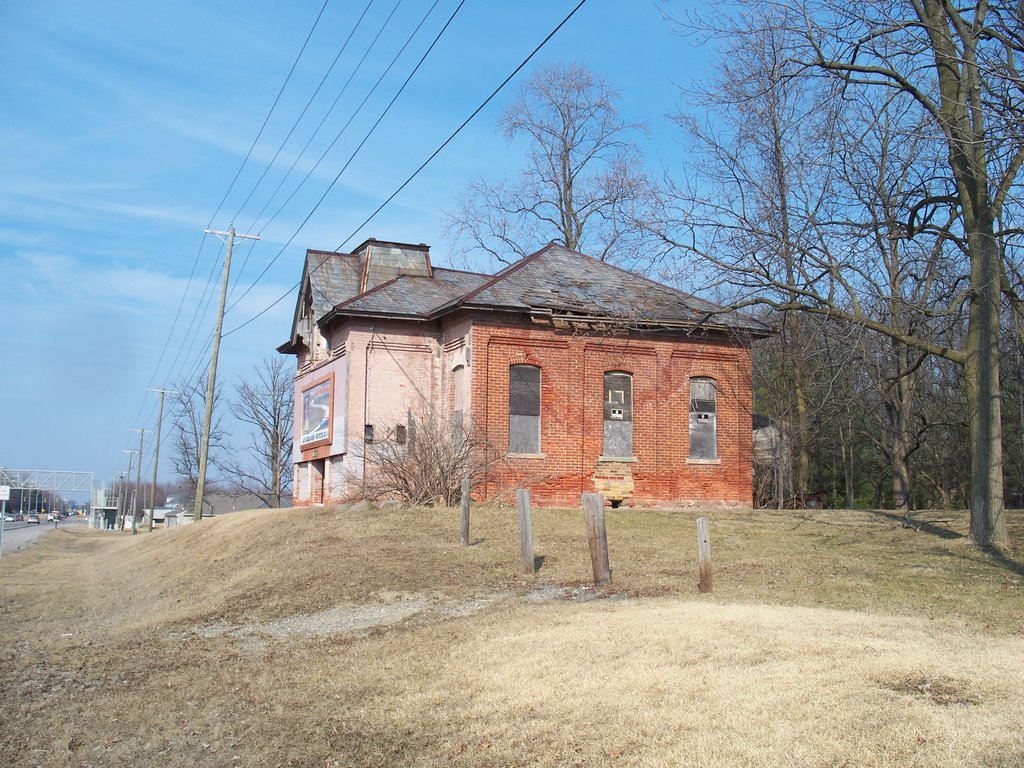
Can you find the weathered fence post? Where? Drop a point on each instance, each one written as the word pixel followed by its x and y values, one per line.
pixel 525 531
pixel 704 554
pixel 464 512
pixel 593 514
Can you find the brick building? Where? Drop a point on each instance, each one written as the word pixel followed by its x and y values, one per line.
pixel 583 376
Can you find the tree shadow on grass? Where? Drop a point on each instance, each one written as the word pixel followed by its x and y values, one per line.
pixel 1004 560
pixel 998 557
pixel 925 526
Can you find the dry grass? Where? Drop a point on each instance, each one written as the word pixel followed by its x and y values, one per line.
pixel 330 637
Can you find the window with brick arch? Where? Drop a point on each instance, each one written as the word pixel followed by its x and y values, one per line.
pixel 703 419
pixel 524 409
pixel 618 414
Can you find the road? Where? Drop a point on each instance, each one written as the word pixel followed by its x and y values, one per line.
pixel 20 535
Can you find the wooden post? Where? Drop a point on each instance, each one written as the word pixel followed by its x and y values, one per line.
pixel 464 512
pixel 525 531
pixel 704 554
pixel 593 514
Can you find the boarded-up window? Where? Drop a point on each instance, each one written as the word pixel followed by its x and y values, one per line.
pixel 618 414
pixel 524 409
pixel 703 421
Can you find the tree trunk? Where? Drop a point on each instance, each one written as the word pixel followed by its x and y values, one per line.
pixel 961 116
pixel 899 445
pixel 848 469
pixel 981 376
pixel 275 459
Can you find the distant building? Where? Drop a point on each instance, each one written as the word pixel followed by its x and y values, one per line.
pixel 583 376
pixel 223 502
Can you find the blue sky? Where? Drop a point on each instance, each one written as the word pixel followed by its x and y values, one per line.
pixel 125 122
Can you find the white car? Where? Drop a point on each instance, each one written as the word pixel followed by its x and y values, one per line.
pixel 10 519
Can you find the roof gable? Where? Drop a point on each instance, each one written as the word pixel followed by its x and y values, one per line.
pixel 330 278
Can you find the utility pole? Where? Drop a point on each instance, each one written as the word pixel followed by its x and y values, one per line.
pixel 131 460
pixel 5 494
pixel 156 455
pixel 211 380
pixel 138 485
pixel 117 516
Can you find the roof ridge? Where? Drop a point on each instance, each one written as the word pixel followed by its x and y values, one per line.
pixel 462 271
pixel 510 269
pixel 310 251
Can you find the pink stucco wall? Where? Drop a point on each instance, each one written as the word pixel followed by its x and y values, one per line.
pixel 380 375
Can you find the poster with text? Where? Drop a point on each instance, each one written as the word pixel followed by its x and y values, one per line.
pixel 316 414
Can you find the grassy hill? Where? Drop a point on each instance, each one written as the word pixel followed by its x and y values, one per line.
pixel 334 637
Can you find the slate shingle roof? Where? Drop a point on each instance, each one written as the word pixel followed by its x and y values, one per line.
pixel 554 281
pixel 412 296
pixel 564 282
pixel 331 275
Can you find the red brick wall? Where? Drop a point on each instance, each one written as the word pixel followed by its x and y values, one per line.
pixel 572 389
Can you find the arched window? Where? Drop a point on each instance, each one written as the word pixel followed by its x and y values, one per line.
pixel 523 409
pixel 703 419
pixel 618 414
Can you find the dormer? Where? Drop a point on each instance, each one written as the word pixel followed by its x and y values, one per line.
pixel 382 260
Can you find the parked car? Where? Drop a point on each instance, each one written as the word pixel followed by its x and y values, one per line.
pixel 32 519
pixel 10 519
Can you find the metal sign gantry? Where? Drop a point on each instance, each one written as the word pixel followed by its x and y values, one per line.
pixel 46 480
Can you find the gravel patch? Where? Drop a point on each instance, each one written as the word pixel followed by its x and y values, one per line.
pixel 354 617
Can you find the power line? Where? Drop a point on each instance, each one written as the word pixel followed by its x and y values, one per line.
pixel 201 311
pixel 348 162
pixel 273 195
pixel 337 98
pixel 273 106
pixel 195 262
pixel 352 117
pixel 415 173
pixel 203 304
pixel 302 114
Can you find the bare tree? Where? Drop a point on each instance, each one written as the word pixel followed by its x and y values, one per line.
pixel 950 74
pixel 266 404
pixel 580 185
pixel 187 433
pixel 425 461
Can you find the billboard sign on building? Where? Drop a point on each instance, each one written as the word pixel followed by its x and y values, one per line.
pixel 317 410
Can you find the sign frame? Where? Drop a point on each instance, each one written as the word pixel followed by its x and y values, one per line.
pixel 316 414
